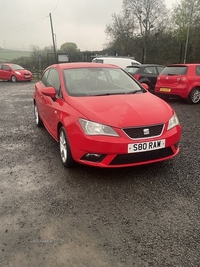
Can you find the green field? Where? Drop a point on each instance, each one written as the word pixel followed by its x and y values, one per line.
pixel 7 55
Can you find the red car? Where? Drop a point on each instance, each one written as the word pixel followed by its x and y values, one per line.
pixel 102 117
pixel 14 73
pixel 182 80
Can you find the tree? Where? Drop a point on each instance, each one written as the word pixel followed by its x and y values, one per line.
pixel 185 17
pixel 148 16
pixel 39 57
pixel 120 32
pixel 71 50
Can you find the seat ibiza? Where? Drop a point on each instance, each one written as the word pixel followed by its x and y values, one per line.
pixel 101 116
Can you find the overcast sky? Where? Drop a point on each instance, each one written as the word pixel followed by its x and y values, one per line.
pixel 26 22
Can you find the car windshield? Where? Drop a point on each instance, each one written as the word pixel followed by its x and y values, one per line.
pixel 175 70
pixel 16 67
pixel 99 81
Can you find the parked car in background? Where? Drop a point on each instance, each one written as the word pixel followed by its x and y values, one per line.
pixel 146 73
pixel 103 117
pixel 14 73
pixel 122 62
pixel 180 80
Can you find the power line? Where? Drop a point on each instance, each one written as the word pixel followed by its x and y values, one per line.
pixel 56 6
pixel 24 24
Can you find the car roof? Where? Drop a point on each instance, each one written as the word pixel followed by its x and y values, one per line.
pixel 183 64
pixel 145 65
pixel 116 57
pixel 73 65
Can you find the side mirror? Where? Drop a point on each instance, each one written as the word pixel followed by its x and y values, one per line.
pixel 145 86
pixel 49 91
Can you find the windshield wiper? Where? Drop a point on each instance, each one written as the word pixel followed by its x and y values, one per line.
pixel 133 92
pixel 104 94
pixel 119 93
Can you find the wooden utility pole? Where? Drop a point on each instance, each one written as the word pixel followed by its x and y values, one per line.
pixel 54 46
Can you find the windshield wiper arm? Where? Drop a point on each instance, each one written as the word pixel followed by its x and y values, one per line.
pixel 133 92
pixel 118 93
pixel 104 94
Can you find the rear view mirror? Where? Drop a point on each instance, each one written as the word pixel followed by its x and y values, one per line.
pixel 145 86
pixel 49 91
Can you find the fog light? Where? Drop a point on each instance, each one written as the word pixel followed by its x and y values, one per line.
pixel 176 145
pixel 93 157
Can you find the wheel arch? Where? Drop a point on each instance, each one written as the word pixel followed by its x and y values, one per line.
pixel 143 80
pixel 196 86
pixel 58 129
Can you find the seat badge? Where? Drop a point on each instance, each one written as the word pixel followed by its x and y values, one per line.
pixel 146 131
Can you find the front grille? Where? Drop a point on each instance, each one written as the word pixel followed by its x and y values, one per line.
pixel 141 156
pixel 144 131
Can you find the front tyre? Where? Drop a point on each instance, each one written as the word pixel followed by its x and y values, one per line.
pixel 38 120
pixel 194 96
pixel 65 151
pixel 13 79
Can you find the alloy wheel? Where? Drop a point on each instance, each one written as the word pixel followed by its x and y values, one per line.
pixel 195 96
pixel 63 147
pixel 36 115
pixel 13 79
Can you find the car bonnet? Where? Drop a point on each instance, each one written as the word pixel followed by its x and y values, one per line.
pixel 124 110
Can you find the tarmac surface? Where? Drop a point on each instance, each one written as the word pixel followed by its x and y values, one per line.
pixel 142 216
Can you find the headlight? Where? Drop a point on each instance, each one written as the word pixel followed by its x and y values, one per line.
pixel 173 122
pixel 93 128
pixel 17 72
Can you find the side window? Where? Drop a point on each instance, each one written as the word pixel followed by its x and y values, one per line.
pixel 98 60
pixel 132 70
pixel 198 70
pixel 54 80
pixel 44 77
pixel 150 70
pixel 4 67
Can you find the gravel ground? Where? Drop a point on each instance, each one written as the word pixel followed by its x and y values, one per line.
pixel 89 217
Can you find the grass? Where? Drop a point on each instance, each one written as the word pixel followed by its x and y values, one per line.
pixel 7 55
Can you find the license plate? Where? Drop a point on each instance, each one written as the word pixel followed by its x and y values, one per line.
pixel 146 146
pixel 27 76
pixel 165 90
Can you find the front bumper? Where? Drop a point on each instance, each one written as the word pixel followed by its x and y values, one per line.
pixel 112 152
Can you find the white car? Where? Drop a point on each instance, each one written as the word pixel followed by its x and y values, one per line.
pixel 121 62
